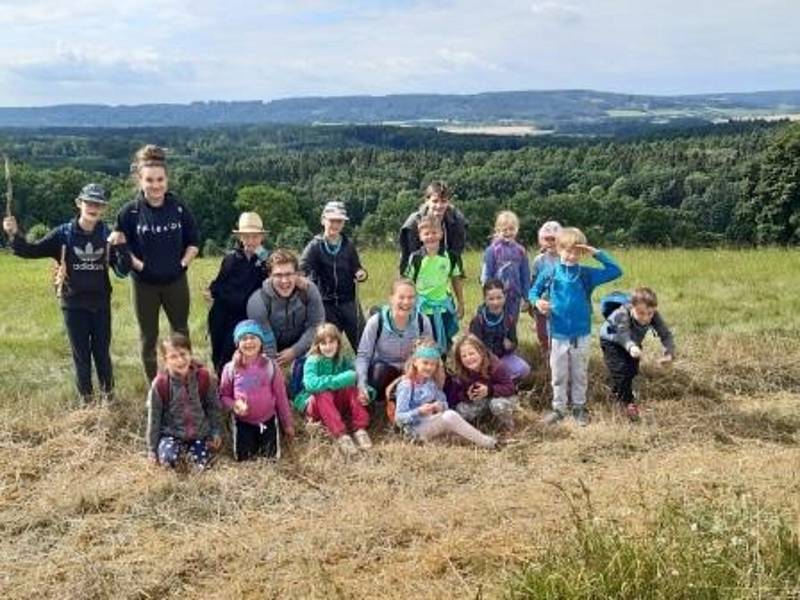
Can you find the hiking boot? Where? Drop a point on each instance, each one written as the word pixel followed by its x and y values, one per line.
pixel 553 417
pixel 346 445
pixel 362 439
pixel 632 410
pixel 581 415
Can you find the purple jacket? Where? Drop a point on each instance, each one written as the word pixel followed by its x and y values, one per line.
pixel 499 382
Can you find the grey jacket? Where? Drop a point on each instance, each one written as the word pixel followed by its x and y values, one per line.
pixel 622 329
pixel 292 320
pixel 185 412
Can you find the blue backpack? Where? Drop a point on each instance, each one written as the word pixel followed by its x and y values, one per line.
pixel 612 301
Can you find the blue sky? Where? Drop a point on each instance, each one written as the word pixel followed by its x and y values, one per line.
pixel 54 52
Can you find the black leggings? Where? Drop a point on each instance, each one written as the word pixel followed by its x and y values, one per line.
pixel 622 368
pixel 89 335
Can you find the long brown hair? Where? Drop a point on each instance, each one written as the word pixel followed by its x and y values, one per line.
pixel 475 342
pixel 325 332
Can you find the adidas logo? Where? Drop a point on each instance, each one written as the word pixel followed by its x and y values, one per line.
pixel 89 258
pixel 89 254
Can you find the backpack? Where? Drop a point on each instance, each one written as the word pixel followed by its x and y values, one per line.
pixel 505 271
pixel 391 399
pixel 612 301
pixel 203 382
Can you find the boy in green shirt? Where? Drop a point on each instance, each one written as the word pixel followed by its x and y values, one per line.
pixel 438 280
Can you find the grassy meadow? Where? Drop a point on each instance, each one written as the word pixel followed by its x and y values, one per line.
pixel 699 500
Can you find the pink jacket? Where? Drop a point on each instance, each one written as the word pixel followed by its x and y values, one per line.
pixel 262 385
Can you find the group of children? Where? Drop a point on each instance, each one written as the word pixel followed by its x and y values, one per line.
pixel 184 403
pixel 429 400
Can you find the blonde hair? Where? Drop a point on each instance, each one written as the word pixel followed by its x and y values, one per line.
pixel 429 222
pixel 475 342
pixel 411 367
pixel 504 218
pixel 550 228
pixel 324 333
pixel 570 237
pixel 644 295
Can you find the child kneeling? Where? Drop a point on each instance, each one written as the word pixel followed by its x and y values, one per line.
pixel 253 388
pixel 330 393
pixel 481 385
pixel 621 338
pixel 422 411
pixel 183 412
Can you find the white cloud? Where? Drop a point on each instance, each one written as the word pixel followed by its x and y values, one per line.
pixel 563 14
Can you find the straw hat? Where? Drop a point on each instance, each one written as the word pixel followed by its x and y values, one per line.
pixel 250 222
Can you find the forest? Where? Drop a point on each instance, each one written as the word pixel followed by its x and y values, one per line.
pixel 734 184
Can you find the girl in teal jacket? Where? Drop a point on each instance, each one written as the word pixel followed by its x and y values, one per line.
pixel 330 394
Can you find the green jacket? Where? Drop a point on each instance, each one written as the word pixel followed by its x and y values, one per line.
pixel 321 374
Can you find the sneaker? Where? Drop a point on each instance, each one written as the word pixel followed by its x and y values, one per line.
pixel 85 400
pixel 553 417
pixel 581 416
pixel 632 410
pixel 362 439
pixel 106 398
pixel 346 445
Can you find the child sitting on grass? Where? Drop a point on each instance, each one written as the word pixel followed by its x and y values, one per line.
pixel 621 338
pixel 422 411
pixel 497 329
pixel 437 277
pixel 481 385
pixel 252 386
pixel 330 393
pixel 564 293
pixel 183 418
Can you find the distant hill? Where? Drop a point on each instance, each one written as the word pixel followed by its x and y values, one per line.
pixel 564 111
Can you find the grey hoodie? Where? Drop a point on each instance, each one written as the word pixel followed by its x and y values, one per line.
pixel 292 320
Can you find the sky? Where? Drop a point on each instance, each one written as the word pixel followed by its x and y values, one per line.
pixel 104 51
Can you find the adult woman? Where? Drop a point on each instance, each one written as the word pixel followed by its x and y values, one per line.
pixel 388 340
pixel 163 239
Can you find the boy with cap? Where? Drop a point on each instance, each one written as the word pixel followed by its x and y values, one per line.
pixel 84 256
pixel 331 261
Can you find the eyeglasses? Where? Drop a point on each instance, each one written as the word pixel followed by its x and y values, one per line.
pixel 283 275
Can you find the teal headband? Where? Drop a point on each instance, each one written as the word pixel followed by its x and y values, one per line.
pixel 427 352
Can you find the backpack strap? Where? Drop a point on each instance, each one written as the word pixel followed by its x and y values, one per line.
pixel 416 265
pixel 161 383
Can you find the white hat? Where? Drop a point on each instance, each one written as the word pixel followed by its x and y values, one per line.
pixel 335 210
pixel 250 222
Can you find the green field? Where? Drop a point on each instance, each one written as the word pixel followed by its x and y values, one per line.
pixel 82 515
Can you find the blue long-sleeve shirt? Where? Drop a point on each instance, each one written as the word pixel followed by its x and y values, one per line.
pixel 411 395
pixel 569 290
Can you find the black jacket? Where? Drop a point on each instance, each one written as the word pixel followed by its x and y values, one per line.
pixel 454 239
pixel 237 279
pixel 334 274
pixel 87 256
pixel 158 236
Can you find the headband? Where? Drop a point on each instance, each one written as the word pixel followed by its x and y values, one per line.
pixel 428 352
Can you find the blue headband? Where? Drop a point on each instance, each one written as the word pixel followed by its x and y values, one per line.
pixel 427 352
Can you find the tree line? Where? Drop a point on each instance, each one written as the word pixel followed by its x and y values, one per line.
pixel 736 184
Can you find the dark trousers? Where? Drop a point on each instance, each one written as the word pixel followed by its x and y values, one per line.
pixel 348 317
pixel 380 375
pixel 250 441
pixel 89 335
pixel 148 299
pixel 622 368
pixel 221 323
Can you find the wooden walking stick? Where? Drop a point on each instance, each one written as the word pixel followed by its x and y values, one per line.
pixel 9 187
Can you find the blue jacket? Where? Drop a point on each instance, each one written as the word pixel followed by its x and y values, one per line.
pixel 410 396
pixel 569 290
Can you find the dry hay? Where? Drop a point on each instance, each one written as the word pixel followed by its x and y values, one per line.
pixel 83 516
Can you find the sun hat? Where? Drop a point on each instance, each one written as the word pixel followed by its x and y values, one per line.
pixel 250 222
